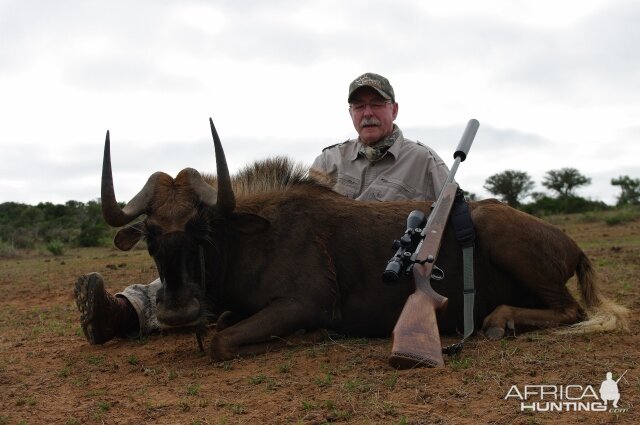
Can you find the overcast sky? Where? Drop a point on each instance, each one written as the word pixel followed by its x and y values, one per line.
pixel 553 83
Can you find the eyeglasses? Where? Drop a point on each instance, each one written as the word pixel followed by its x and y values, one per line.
pixel 375 105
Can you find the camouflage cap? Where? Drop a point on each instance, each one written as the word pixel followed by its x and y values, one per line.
pixel 376 82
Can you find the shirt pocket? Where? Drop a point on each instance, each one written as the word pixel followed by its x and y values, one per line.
pixel 347 185
pixel 390 189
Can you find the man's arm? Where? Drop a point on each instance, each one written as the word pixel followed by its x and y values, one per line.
pixel 437 172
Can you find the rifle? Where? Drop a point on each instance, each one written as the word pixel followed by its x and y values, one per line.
pixel 618 380
pixel 415 338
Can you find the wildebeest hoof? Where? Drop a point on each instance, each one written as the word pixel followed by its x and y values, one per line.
pixel 219 350
pixel 494 332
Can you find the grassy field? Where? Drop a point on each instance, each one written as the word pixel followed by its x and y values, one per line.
pixel 49 374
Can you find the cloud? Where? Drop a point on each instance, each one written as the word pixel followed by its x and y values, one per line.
pixel 488 138
pixel 31 173
pixel 552 83
pixel 592 61
pixel 126 75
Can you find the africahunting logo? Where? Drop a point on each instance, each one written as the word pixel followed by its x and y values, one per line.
pixel 569 398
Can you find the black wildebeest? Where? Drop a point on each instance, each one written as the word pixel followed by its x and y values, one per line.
pixel 293 254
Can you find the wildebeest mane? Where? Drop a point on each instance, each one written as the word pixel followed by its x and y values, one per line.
pixel 272 174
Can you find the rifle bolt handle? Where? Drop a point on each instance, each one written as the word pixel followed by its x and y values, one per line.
pixel 430 259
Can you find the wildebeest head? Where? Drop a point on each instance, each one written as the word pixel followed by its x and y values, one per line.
pixel 181 215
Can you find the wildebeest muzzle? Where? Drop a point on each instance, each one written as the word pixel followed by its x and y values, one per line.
pixel 182 274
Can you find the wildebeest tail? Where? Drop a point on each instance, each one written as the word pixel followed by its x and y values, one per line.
pixel 604 314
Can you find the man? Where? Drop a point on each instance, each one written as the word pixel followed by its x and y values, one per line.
pixel 379 165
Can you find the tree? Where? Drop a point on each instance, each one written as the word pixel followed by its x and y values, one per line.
pixel 630 190
pixel 510 186
pixel 93 230
pixel 564 181
pixel 470 196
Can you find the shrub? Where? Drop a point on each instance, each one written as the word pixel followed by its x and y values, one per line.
pixel 7 250
pixel 55 247
pixel 93 234
pixel 622 216
pixel 545 205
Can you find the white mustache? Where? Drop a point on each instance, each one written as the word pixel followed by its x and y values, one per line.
pixel 369 121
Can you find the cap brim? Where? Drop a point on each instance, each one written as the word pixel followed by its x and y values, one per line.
pixel 383 94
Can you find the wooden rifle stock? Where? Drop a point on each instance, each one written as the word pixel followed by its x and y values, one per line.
pixel 416 340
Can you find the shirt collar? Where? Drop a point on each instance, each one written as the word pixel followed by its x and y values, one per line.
pixel 398 138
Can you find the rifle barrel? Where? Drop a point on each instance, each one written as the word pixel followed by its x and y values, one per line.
pixel 466 140
pixel 618 380
pixel 463 147
pixel 459 155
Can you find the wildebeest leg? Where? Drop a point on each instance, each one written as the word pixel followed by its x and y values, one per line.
pixel 507 316
pixel 227 319
pixel 260 332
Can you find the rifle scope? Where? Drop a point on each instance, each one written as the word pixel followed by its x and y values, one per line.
pixel 404 247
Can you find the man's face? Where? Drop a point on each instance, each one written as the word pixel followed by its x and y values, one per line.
pixel 372 115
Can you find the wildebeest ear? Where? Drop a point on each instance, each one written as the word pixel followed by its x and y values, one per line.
pixel 128 237
pixel 248 223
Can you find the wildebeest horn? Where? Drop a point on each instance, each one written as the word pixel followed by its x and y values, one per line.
pixel 111 211
pixel 226 200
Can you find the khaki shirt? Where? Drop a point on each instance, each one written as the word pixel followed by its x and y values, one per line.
pixel 408 170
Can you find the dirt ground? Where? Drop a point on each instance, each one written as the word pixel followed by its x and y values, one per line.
pixel 50 374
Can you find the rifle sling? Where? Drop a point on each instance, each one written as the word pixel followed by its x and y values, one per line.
pixel 465 235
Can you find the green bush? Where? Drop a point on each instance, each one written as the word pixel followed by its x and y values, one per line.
pixel 546 205
pixel 72 223
pixel 7 250
pixel 93 230
pixel 93 234
pixel 623 215
pixel 55 247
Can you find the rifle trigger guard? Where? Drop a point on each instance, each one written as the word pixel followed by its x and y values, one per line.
pixel 437 273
